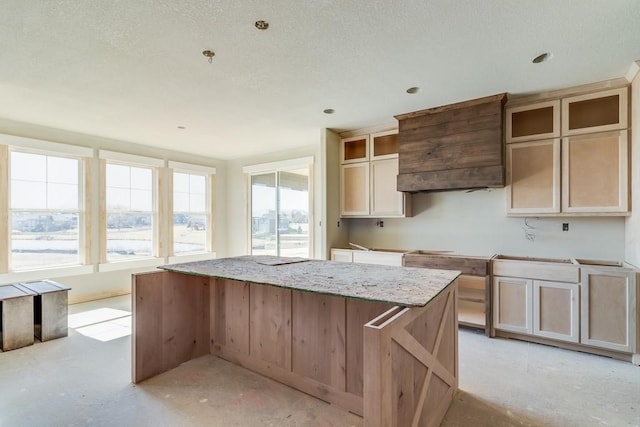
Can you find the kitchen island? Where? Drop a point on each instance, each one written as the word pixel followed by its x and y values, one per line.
pixel 380 341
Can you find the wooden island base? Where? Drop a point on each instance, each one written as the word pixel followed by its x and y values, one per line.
pixel 393 365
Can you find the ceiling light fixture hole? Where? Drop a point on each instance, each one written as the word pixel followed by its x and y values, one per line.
pixel 329 111
pixel 413 90
pixel 181 127
pixel 262 25
pixel 542 58
pixel 209 54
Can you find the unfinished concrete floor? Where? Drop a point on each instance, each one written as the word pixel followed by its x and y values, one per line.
pixel 84 379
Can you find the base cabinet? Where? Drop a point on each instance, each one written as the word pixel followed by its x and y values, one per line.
pixel 512 304
pixel 609 309
pixel 556 310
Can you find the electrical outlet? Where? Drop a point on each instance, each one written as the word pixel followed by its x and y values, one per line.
pixel 565 226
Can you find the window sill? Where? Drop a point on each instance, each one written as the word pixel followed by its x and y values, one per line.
pixel 201 256
pixel 131 264
pixel 46 273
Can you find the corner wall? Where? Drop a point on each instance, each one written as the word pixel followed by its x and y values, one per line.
pixel 632 235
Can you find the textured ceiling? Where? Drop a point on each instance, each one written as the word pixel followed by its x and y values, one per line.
pixel 133 70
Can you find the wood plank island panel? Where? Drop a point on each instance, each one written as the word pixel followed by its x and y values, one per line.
pixel 312 341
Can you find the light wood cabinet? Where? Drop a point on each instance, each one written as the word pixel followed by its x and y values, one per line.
pixel 533 121
pixel 368 177
pixel 354 189
pixel 556 310
pixel 341 255
pixel 587 173
pixel 379 257
pixel 595 112
pixel 533 175
pixel 609 304
pixel 512 306
pixel 595 172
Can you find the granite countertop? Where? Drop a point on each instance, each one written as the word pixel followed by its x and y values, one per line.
pixel 406 286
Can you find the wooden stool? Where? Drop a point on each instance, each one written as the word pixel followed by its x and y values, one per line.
pixel 50 309
pixel 16 317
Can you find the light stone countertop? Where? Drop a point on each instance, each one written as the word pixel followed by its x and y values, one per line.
pixel 405 286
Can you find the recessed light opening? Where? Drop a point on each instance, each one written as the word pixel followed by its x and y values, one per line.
pixel 262 25
pixel 329 111
pixel 413 90
pixel 542 58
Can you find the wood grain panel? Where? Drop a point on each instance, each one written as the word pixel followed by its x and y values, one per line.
pixel 358 312
pixel 475 266
pixel 456 179
pixel 147 346
pixel 270 325
pixel 319 337
pixel 452 147
pixel 230 321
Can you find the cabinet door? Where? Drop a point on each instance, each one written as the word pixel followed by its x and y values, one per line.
pixel 555 310
pixel 595 112
pixel 608 309
pixel 512 304
pixel 595 173
pixel 354 189
pixel 386 200
pixel 384 145
pixel 354 149
pixel 534 121
pixel 341 255
pixel 533 177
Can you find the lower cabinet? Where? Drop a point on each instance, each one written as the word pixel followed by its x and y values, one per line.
pixel 512 307
pixel 609 308
pixel 556 310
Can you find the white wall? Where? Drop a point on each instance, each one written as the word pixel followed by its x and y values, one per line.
pixel 236 200
pixel 99 285
pixel 633 222
pixel 476 224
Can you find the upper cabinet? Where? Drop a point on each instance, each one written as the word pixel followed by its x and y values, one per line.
pixel 368 177
pixel 569 156
pixel 595 112
pixel 535 121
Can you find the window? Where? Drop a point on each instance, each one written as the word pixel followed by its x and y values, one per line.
pixel 45 210
pixel 129 211
pixel 280 209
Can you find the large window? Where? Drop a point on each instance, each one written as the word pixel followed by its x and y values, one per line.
pixel 129 211
pixel 190 213
pixel 45 210
pixel 280 210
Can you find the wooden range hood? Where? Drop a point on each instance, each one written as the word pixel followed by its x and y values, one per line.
pixel 453 147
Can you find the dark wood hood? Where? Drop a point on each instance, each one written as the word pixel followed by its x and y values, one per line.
pixel 453 147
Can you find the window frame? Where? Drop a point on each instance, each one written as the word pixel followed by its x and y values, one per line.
pixel 84 156
pixel 210 198
pixel 275 167
pixel 157 166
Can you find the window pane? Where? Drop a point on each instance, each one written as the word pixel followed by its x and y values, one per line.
pixel 28 167
pixel 181 202
pixel 198 184
pixel 198 203
pixel 189 233
pixel 293 214
pixel 129 236
pixel 263 214
pixel 61 170
pixel 118 199
pixel 28 195
pixel 43 239
pixel 118 176
pixel 141 178
pixel 62 196
pixel 180 182
pixel 141 200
